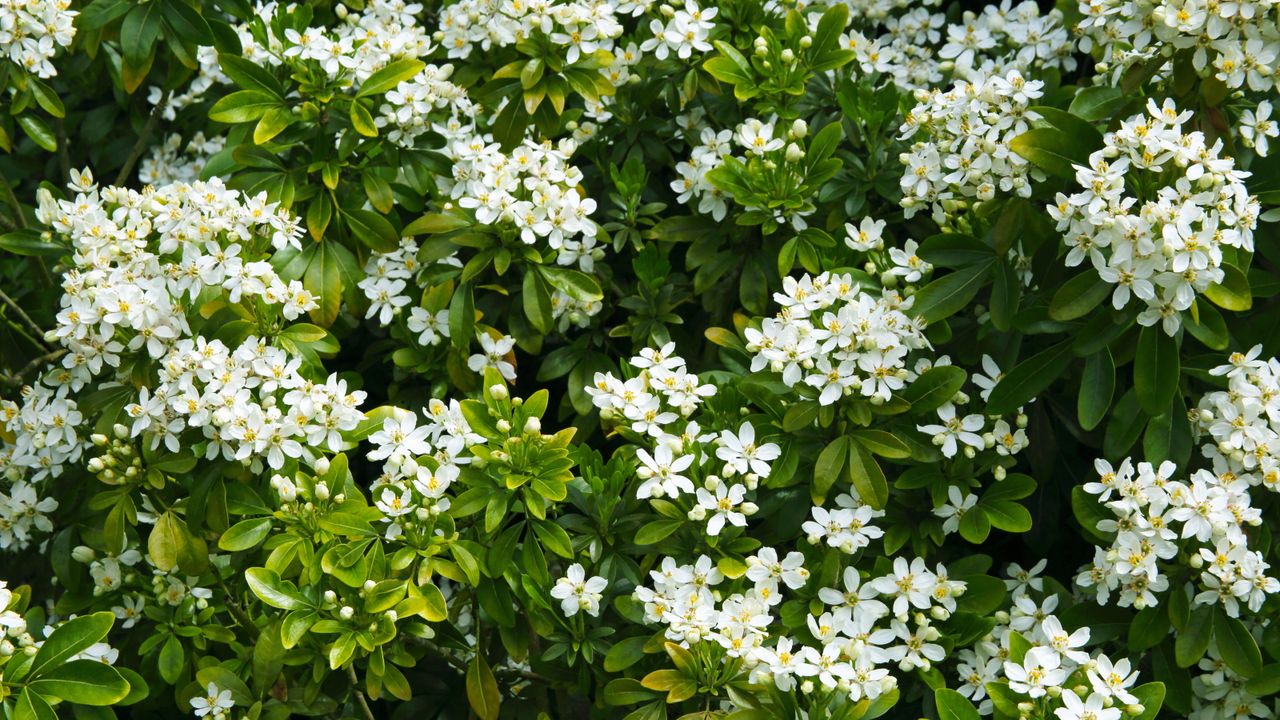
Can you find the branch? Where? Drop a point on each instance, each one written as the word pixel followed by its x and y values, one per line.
pixel 25 318
pixel 355 688
pixel 11 200
pixel 16 378
pixel 152 120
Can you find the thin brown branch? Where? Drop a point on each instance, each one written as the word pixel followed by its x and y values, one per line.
pixel 143 138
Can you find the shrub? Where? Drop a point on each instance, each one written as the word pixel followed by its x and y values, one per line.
pixel 746 360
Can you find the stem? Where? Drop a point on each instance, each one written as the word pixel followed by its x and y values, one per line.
pixel 22 315
pixel 152 120
pixel 12 201
pixel 355 689
pixel 16 379
pixel 233 606
pixel 64 151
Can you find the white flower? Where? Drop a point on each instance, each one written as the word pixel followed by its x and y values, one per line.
pixel 214 704
pixel 740 452
pixel 1040 670
pixel 1073 708
pixel 494 355
pixel 576 592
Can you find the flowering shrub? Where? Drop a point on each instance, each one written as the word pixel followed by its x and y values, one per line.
pixel 621 359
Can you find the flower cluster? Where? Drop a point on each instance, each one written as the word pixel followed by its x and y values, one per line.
pixel 753 138
pixel 531 191
pixel 836 339
pixel 1045 663
pixel 32 31
pixel 1159 519
pixel 142 261
pixel 420 463
pixel 176 161
pixel 910 48
pixel 410 109
pixel 1235 42
pixel 250 403
pixel 23 511
pixel 964 151
pixel 968 432
pixel 867 624
pixel 349 52
pixel 1158 206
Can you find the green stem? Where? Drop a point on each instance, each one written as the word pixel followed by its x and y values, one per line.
pixel 152 120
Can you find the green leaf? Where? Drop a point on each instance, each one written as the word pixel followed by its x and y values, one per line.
pixel 537 302
pixel 657 531
pixel 1206 324
pixel 362 120
pixel 1007 516
pixel 1155 370
pixel 625 653
pixel 245 534
pixel 30 243
pixel 437 610
pixel 272 123
pixel 1151 697
pixel 39 132
pixel 882 443
pixel 1051 150
pixel 462 316
pixel 30 706
pixel 868 478
pixel 168 541
pixel 1236 645
pixel 243 106
pixel 830 463
pixel 482 689
pixel 390 76
pixel 934 388
pixel 1266 682
pixel 1233 292
pixel 1096 389
pixel 954 706
pixel 974 526
pixel 554 538
pixel 373 230
pixel 1078 296
pixel 187 23
pixel 1149 628
pixel 1193 640
pixel 139 31
pixel 69 639
pixel 729 66
pixel 249 75
pixel 1028 379
pixel 950 293
pixel 575 284
pixel 84 682
pixel 99 13
pixel 1097 103
pixel 270 589
pixel 171 660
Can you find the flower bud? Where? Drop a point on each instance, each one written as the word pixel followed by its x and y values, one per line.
pixel 347 612
pixel 322 466
pixel 498 391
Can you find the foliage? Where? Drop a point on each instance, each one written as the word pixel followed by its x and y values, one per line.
pixel 618 359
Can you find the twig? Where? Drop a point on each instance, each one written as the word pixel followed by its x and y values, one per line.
pixel 11 200
pixel 64 149
pixel 152 120
pixel 22 315
pixel 16 378
pixel 355 688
